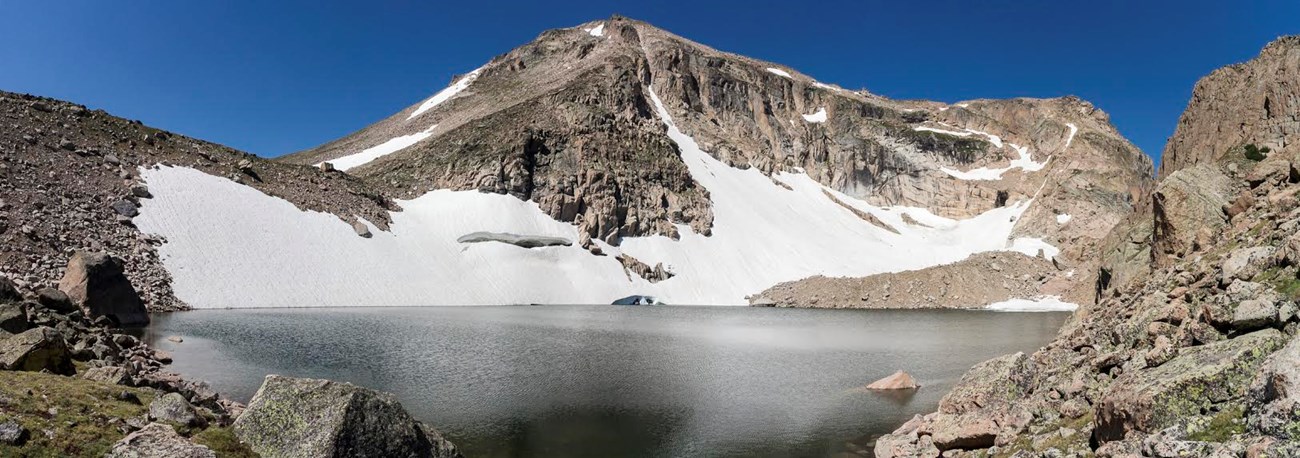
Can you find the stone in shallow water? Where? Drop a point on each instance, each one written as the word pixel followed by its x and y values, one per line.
pixel 897 381
pixel 320 418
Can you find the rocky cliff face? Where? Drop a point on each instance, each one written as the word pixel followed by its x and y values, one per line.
pixel 1256 102
pixel 564 121
pixel 1189 349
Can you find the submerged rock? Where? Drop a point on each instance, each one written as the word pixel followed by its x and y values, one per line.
pixel 96 283
pixel 898 381
pixel 526 241
pixel 157 440
pixel 320 418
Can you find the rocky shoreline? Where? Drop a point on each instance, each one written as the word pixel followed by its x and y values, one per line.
pixel 74 383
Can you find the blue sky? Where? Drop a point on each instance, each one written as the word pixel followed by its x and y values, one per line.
pixel 276 77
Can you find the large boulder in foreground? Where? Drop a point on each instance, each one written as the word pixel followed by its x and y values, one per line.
pixel 291 417
pixel 96 283
pixel 13 318
pixel 1175 392
pixel 157 440
pixel 36 350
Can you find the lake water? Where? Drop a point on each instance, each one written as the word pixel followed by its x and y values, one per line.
pixel 606 381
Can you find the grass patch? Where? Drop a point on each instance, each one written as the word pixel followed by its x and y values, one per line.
pixel 224 442
pixel 1223 426
pixel 82 415
pixel 1283 280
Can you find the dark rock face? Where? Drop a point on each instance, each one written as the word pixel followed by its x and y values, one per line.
pixel 96 282
pixel 9 292
pixel 320 418
pixel 157 440
pixel 13 319
pixel 55 300
pixel 36 350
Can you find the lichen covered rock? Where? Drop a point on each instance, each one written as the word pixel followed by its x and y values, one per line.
pixel 291 417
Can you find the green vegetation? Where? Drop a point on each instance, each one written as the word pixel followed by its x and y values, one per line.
pixel 1225 424
pixel 71 416
pixel 1256 153
pixel 1283 280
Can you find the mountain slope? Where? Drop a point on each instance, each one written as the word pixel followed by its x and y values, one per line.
pixel 70 179
pixel 674 170
pixel 1191 347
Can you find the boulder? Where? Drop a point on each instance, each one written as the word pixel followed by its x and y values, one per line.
pixel 13 434
pixel 13 319
pixel 320 418
pixel 108 374
pixel 96 283
pixel 173 408
pixel 996 381
pixel 9 291
pixel 1152 399
pixel 36 350
pixel 1274 407
pixel 157 440
pixel 1245 263
pixel 1254 314
pixel 1185 202
pixel 897 381
pixel 361 229
pixel 55 300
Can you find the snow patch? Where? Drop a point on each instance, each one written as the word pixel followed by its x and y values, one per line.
pixel 942 131
pixel 1063 218
pixel 779 72
pixel 826 86
pixel 597 31
pixel 1025 162
pixel 229 245
pixel 1073 130
pixel 818 117
pixel 391 146
pixel 446 94
pixel 1041 304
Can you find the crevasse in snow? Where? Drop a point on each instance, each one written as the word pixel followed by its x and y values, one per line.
pixel 229 245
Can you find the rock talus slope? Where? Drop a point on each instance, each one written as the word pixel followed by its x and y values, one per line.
pixel 1189 349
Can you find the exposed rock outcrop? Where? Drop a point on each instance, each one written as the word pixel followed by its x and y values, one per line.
pixel 1188 348
pixel 1255 102
pixel 523 241
pixel 305 417
pixel 157 440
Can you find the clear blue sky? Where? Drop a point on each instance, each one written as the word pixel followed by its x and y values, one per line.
pixel 272 77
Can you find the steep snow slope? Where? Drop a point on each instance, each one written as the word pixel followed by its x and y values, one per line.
pixel 229 245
